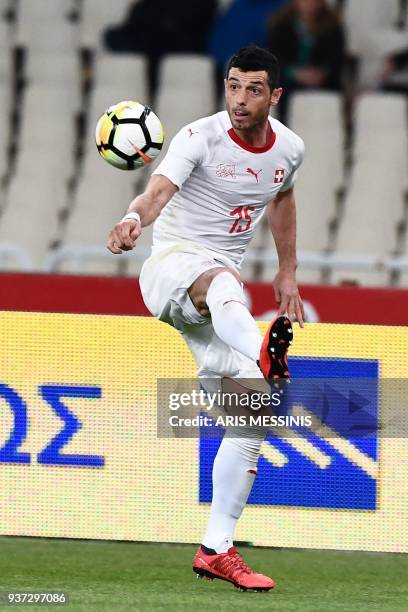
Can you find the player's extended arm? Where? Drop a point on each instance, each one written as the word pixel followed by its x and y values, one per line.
pixel 148 205
pixel 282 221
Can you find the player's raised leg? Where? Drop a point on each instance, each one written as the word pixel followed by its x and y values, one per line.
pixel 219 292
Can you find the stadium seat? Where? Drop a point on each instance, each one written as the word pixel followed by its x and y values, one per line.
pixel 48 134
pixel 374 47
pixel 314 110
pixel 4 7
pixel 372 35
pixel 5 99
pixel 96 16
pixel 30 219
pixel 384 111
pixel 374 203
pixel 174 116
pixel 363 16
pixel 9 9
pixel 44 24
pixel 116 71
pixel 368 230
pixel 100 202
pixel 317 118
pixel 187 79
pixel 380 126
pixel 6 75
pixel 54 85
pixel 49 162
pixel 314 212
pixel 185 70
pixel 41 10
pixel 50 101
pixel 53 69
pixel 316 200
pixel 5 33
pixel 61 39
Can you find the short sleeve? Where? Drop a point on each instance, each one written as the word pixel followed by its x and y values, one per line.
pixel 186 151
pixel 298 158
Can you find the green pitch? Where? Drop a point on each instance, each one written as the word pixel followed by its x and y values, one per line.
pixel 148 577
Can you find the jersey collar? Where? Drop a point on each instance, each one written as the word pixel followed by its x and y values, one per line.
pixel 244 145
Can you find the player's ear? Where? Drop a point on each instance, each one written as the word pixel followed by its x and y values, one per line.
pixel 275 95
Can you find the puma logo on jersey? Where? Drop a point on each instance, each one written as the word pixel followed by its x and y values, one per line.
pixel 190 131
pixel 255 174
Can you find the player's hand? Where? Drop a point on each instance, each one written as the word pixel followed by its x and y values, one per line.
pixel 288 298
pixel 123 236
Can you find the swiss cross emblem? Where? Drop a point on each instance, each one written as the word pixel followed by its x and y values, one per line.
pixel 279 175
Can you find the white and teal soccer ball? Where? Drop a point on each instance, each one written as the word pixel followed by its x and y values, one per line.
pixel 129 135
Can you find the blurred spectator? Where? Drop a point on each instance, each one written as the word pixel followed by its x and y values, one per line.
pixel 244 22
pixel 157 27
pixel 308 39
pixel 394 75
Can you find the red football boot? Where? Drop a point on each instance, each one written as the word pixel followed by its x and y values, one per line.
pixel 273 357
pixel 231 567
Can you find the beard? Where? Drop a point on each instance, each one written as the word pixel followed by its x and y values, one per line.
pixel 248 121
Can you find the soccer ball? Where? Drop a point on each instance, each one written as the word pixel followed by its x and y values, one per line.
pixel 129 135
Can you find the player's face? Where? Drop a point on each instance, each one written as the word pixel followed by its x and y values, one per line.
pixel 248 98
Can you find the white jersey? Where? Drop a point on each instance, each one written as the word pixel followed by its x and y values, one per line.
pixel 224 184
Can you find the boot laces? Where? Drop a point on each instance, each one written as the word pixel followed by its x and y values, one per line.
pixel 234 565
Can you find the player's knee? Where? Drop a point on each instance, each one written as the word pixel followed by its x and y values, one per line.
pixel 225 288
pixel 198 290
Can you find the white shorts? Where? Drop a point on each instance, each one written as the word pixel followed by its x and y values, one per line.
pixel 164 281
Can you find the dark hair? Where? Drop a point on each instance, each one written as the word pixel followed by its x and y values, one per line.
pixel 256 58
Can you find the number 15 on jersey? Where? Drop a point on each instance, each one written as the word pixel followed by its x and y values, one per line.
pixel 243 219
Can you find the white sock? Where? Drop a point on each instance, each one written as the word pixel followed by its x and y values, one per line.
pixel 234 472
pixel 231 319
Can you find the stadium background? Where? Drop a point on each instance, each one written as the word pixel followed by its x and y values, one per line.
pixel 58 200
